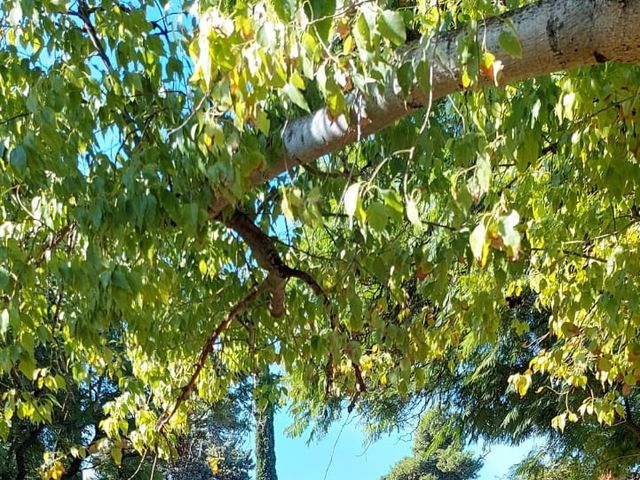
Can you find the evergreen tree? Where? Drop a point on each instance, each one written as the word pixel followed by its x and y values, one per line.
pixel 437 454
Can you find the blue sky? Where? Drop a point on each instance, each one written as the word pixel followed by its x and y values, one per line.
pixel 344 455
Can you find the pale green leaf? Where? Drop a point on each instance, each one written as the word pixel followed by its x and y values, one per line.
pixel 351 197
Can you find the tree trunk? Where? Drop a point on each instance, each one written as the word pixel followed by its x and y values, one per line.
pixel 555 35
pixel 21 452
pixel 265 445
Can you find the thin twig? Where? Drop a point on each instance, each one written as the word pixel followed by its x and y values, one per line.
pixel 189 117
pixel 83 13
pixel 15 117
pixel 144 455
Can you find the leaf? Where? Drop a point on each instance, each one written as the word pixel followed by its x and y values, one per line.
pixel 4 322
pixel 377 216
pixel 412 212
pixel 362 34
pixel 483 172
pixel 559 422
pixel 4 278
pixel 18 158
pixel 423 76
pixel 202 266
pixel 351 199
pixel 322 12
pixel 604 364
pixel 116 454
pixel 527 153
pixel 466 78
pixel 405 77
pixel 296 96
pixel 266 36
pixel 521 382
pixel 286 207
pixel 510 43
pixel 391 26
pixel 510 236
pixel 479 244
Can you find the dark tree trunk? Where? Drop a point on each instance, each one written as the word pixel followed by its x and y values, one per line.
pixel 21 451
pixel 265 445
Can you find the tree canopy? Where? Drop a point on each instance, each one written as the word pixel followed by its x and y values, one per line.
pixel 357 193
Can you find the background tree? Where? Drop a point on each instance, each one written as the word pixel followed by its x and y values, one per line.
pixel 214 445
pixel 480 406
pixel 437 455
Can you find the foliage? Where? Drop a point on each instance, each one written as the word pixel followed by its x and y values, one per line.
pixel 132 243
pixel 213 441
pixel 481 406
pixel 435 456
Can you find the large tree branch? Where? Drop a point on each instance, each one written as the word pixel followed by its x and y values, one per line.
pixel 268 258
pixel 555 35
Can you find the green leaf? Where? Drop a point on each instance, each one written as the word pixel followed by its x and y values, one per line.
pixel 18 158
pixel 296 96
pixel 202 266
pixel 4 278
pixel 377 216
pixel 391 26
pixel 361 33
pixel 405 77
pixel 483 172
pixel 510 43
pixel 322 12
pixel 116 454
pixel 423 76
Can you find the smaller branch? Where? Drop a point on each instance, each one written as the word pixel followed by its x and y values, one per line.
pixel 21 451
pixel 144 455
pixel 83 13
pixel 238 309
pixel 361 387
pixel 575 254
pixel 309 280
pixel 15 117
pixel 329 374
pixel 324 174
pixel 189 117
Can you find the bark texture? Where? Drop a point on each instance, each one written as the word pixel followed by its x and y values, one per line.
pixel 265 445
pixel 555 35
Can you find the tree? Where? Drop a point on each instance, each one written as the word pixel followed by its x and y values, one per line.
pixel 435 456
pixel 265 403
pixel 212 448
pixel 169 198
pixel 265 445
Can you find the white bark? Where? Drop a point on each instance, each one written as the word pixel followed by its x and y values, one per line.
pixel 555 35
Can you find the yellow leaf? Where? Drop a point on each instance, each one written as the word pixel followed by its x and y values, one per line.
pixel 214 464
